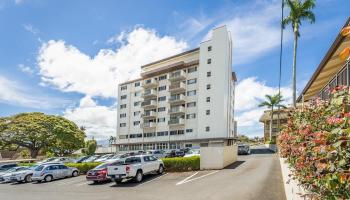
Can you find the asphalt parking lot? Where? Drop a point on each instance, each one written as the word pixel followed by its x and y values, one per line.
pixel 255 176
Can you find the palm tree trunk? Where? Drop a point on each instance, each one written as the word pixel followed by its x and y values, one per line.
pixel 295 66
pixel 271 119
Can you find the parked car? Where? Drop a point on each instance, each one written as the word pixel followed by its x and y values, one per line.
pixel 175 153
pixel 243 149
pixel 5 176
pixel 104 158
pixel 92 158
pixel 98 174
pixel 7 166
pixel 62 160
pixel 46 160
pixel 157 153
pixel 23 175
pixel 50 172
pixel 134 167
pixel 115 158
pixel 193 153
pixel 81 159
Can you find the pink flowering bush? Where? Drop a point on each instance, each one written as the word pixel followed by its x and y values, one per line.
pixel 316 143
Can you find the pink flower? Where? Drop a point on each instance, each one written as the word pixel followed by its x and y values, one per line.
pixel 334 120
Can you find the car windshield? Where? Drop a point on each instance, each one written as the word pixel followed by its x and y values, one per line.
pixel 48 159
pixel 101 166
pixel 33 167
pixel 39 168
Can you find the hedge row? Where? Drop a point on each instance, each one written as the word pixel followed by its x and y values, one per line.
pixel 83 167
pixel 181 164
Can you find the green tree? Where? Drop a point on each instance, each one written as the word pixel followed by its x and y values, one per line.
pixel 90 147
pixel 271 103
pixel 299 10
pixel 40 132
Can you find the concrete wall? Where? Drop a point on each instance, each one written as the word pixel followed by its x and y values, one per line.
pixel 292 189
pixel 217 157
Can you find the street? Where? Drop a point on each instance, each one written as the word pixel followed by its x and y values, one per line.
pixel 255 176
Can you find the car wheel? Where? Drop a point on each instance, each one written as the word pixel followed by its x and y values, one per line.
pixel 161 169
pixel 139 176
pixel 95 182
pixel 28 178
pixel 118 181
pixel 48 178
pixel 74 174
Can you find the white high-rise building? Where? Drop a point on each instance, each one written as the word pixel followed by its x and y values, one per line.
pixel 186 100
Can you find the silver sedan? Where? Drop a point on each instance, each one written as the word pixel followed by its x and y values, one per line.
pixel 50 172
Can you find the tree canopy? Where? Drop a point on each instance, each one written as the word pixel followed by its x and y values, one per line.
pixel 39 132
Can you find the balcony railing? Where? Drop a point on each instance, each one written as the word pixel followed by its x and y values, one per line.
pixel 149 93
pixel 178 75
pixel 149 103
pixel 177 87
pixel 178 109
pixel 149 125
pixel 149 83
pixel 177 98
pixel 149 114
pixel 177 121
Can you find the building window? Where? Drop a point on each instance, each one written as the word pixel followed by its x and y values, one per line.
pixel 161 109
pixel 137 94
pixel 162 133
pixel 122 124
pixel 180 132
pixel 137 103
pixel 136 113
pixel 161 146
pixel 208 99
pixel 208 74
pixel 191 104
pixel 123 97
pixel 162 77
pixel 161 88
pixel 162 98
pixel 208 87
pixel 191 81
pixel 209 61
pixel 122 115
pixel 191 116
pixel 191 93
pixel 137 84
pixel 161 120
pixel 189 130
pixel 122 106
pixel 123 87
pixel 193 69
pixel 209 48
pixel 136 123
pixel 173 132
pixel 137 135
pixel 123 136
pixel 207 112
pixel 149 134
pixel 207 129
pixel 188 145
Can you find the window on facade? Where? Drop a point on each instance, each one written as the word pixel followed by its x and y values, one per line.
pixel 161 109
pixel 137 103
pixel 191 81
pixel 208 74
pixel 173 132
pixel 162 133
pixel 136 135
pixel 161 88
pixel 191 93
pixel 207 112
pixel 209 48
pixel 191 104
pixel 162 98
pixel 136 123
pixel 137 94
pixel 136 113
pixel 162 146
pixel 208 86
pixel 191 116
pixel 180 132
pixel 153 134
pixel 122 115
pixel 188 145
pixel 123 97
pixel 122 124
pixel 193 69
pixel 189 130
pixel 137 84
pixel 123 136
pixel 162 77
pixel 208 99
pixel 207 129
pixel 123 87
pixel 209 61
pixel 122 106
pixel 161 120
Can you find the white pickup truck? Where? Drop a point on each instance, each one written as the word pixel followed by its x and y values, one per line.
pixel 134 167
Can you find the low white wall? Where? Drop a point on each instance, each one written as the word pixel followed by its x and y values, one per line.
pixel 291 188
pixel 217 157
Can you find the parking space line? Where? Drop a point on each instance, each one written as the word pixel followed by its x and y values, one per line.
pixel 64 182
pixel 153 179
pixel 187 180
pixel 81 184
pixel 183 181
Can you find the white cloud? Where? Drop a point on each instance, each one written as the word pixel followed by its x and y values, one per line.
pixel 250 92
pixel 26 69
pixel 64 66
pixel 30 28
pixel 100 121
pixel 13 93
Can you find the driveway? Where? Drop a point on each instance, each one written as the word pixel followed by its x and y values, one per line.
pixel 256 176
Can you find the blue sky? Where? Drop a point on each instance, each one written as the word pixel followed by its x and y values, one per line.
pixel 66 57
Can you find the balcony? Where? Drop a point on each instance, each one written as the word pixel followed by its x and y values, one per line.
pixel 150 93
pixel 149 114
pixel 176 122
pixel 149 104
pixel 177 110
pixel 177 87
pixel 149 83
pixel 177 99
pixel 177 76
pixel 148 125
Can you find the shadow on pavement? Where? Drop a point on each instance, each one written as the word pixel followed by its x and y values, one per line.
pixel 235 165
pixel 261 151
pixel 131 183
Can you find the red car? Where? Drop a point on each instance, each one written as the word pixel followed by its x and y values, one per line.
pixel 98 174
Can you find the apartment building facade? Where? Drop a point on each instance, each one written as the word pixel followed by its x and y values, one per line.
pixel 186 100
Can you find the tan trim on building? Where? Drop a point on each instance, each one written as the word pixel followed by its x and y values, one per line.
pixel 169 68
pixel 131 81
pixel 185 141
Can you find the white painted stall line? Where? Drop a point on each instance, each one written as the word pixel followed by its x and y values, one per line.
pixel 183 181
pixel 187 180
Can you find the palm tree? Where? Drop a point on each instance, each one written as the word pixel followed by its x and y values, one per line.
pixel 299 10
pixel 271 103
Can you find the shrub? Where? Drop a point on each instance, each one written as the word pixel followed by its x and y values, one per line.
pixel 316 143
pixel 83 167
pixel 181 164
